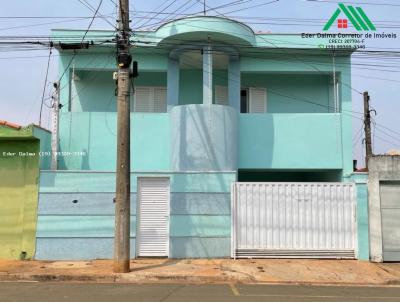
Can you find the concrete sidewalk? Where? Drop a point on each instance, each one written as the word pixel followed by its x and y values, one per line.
pixel 339 272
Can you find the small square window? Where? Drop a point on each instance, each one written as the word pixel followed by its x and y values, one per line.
pixel 342 23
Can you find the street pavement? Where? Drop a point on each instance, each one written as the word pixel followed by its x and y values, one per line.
pixel 97 292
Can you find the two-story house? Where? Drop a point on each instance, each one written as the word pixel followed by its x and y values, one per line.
pixel 241 145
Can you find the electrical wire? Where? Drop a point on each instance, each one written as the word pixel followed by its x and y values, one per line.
pixel 169 5
pixel 306 101
pixel 174 12
pixel 44 87
pixel 352 2
pixel 358 136
pixel 87 31
pixel 83 39
pixel 91 21
pixel 93 9
pixel 250 7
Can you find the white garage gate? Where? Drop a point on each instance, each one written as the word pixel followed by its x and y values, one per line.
pixel 293 220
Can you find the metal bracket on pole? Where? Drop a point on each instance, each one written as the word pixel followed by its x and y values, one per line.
pixel 55 123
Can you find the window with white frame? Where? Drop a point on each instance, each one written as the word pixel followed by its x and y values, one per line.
pixel 221 95
pixel 253 100
pixel 150 99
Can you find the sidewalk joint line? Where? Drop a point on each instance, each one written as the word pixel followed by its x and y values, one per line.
pixel 234 289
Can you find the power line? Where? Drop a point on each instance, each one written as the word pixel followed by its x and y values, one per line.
pixel 47 17
pixel 290 55
pixel 310 102
pixel 396 139
pixel 146 22
pixel 209 7
pixel 44 87
pixel 250 7
pixel 358 136
pixel 90 7
pixel 387 128
pixel 387 141
pixel 172 13
pixel 352 2
pixel 91 21
pixel 74 55
pixel 41 24
pixel 288 96
pixel 90 81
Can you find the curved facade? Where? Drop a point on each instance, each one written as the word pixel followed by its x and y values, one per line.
pixel 218 29
pixel 203 138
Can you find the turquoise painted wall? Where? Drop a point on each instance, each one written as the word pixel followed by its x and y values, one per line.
pixel 104 182
pixel 89 141
pixel 360 180
pixel 95 71
pixel 285 92
pixel 191 85
pixel 94 91
pixel 45 147
pixel 302 63
pixel 266 141
pixel 290 141
pixel 283 74
pixel 203 138
pixel 76 215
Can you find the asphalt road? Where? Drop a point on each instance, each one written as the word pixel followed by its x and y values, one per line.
pixel 79 292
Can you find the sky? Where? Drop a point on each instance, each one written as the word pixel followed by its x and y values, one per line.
pixel 23 72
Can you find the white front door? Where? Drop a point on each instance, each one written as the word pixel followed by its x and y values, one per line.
pixel 153 217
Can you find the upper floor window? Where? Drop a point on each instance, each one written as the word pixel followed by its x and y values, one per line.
pixel 221 95
pixel 253 100
pixel 150 99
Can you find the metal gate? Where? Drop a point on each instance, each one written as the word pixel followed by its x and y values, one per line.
pixel 153 217
pixel 293 220
pixel 390 213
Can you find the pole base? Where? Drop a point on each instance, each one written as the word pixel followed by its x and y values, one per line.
pixel 121 266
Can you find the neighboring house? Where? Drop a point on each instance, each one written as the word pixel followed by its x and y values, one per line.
pixel 224 121
pixel 384 207
pixel 22 151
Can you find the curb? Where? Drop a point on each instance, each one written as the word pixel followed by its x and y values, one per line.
pixel 154 278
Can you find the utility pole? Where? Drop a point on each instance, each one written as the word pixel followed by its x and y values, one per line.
pixel 122 205
pixel 367 128
pixel 54 135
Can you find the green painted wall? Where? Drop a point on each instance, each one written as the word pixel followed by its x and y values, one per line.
pixel 19 174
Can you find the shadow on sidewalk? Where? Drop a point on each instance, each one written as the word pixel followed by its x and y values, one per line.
pixel 168 262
